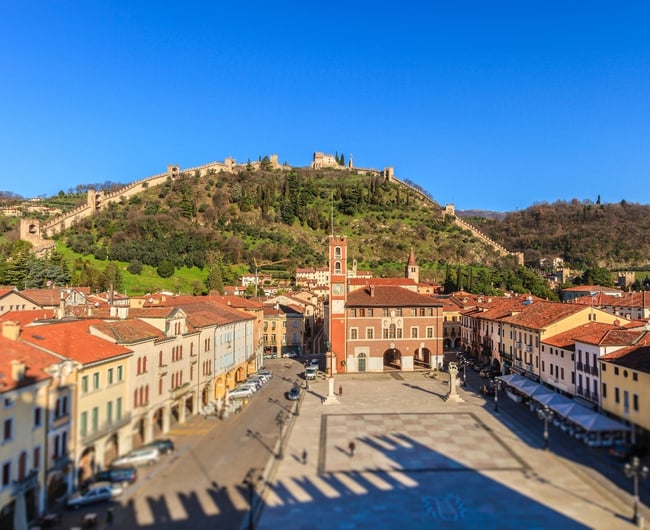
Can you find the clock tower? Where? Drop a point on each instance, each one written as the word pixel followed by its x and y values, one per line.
pixel 338 255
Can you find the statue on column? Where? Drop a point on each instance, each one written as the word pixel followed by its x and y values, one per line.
pixel 453 382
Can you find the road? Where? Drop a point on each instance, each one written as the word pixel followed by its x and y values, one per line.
pixel 201 486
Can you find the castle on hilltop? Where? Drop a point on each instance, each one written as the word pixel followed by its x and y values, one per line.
pixel 39 234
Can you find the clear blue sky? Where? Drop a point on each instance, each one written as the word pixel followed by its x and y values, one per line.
pixel 488 104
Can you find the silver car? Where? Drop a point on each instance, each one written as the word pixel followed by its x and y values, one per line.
pixel 139 457
pixel 97 492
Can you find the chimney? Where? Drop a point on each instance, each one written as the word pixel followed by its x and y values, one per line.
pixel 10 330
pixel 18 370
pixel 372 291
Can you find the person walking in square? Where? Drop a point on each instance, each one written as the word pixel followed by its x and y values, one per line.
pixel 351 447
pixel 304 456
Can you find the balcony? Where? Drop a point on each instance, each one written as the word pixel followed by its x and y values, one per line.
pixel 179 391
pixel 518 345
pixel 108 428
pixel 60 463
pixel 529 348
pixel 60 421
pixel 594 370
pixel 579 366
pixel 162 370
pixel 29 482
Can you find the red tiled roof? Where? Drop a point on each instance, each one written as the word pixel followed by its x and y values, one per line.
pixel 30 316
pixel 129 331
pixel 43 297
pixel 597 333
pixel 636 357
pixel 35 362
pixel 72 339
pixel 542 314
pixel 382 281
pixel 389 296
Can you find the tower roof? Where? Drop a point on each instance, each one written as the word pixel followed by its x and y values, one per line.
pixel 411 261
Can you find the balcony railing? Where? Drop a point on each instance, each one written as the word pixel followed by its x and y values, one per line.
pixel 29 482
pixel 179 391
pixel 518 345
pixel 107 428
pixel 529 348
pixel 594 370
pixel 162 370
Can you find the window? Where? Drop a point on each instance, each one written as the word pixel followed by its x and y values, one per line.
pixel 370 333
pixel 617 397
pixel 109 412
pixel 84 384
pixel 109 376
pixel 635 402
pixel 95 419
pixel 36 458
pixel 414 332
pixel 635 376
pixel 369 311
pixel 6 474
pixel 429 332
pixel 398 312
pixel 118 407
pixel 83 423
pixel 38 416
pixel 615 370
pixel 95 380
pixel 354 333
pixel 120 374
pixel 8 430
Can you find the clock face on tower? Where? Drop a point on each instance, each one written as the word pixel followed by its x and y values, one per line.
pixel 337 289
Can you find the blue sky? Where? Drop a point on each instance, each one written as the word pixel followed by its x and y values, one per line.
pixel 490 104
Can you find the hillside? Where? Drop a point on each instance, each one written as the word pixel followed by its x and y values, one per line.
pixel 276 216
pixel 584 234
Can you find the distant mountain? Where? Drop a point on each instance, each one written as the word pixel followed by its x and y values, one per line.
pixel 486 214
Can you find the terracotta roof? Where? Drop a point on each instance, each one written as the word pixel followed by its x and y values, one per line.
pixel 73 340
pixel 8 289
pixel 204 314
pixel 43 297
pixel 540 315
pixel 635 357
pixel 277 309
pixel 596 333
pixel 30 316
pixel 35 363
pixel 389 296
pixel 238 302
pixel 382 281
pixel 129 331
pixel 591 288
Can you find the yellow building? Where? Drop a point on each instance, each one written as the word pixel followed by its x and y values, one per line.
pixel 625 386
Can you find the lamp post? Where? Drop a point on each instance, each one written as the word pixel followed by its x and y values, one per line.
pixel 497 387
pixel 634 470
pixel 280 420
pixel 251 480
pixel 545 414
pixel 464 372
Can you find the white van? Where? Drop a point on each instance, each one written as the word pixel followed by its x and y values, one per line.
pixel 310 374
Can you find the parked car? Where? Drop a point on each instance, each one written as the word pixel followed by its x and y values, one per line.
pixel 97 492
pixel 623 451
pixel 145 456
pixel 265 372
pixel 310 374
pixel 254 386
pixel 290 355
pixel 293 394
pixel 240 393
pixel 164 445
pixel 314 363
pixel 120 475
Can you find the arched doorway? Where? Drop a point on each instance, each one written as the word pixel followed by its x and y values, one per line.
pixel 158 422
pixel 362 362
pixel 446 344
pixel 175 415
pixel 111 449
pixel 458 343
pixel 422 358
pixel 205 395
pixel 392 359
pixel 189 405
pixel 86 465
pixel 138 434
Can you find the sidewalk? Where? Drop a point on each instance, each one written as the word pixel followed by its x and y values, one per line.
pixel 421 462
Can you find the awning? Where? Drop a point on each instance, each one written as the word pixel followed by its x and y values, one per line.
pixel 594 422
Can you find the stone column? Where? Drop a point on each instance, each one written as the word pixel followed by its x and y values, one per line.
pixel 453 381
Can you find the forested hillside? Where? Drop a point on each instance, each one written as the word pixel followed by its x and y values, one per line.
pixel 584 234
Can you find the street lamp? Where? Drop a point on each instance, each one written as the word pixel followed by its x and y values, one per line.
pixel 545 414
pixel 251 480
pixel 497 387
pixel 280 419
pixel 464 372
pixel 634 470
